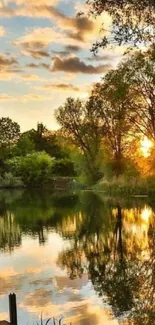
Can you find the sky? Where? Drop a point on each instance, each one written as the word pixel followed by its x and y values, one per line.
pixel 45 57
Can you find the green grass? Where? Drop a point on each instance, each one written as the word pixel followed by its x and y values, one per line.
pixel 131 186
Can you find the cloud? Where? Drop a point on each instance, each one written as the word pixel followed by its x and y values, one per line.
pixel 37 66
pixel 32 77
pixel 73 48
pixel 7 62
pixel 27 97
pixel 77 28
pixel 7 12
pixel 105 57
pixel 38 38
pixel 33 97
pixel 36 54
pixel 35 3
pixel 9 67
pixel 7 75
pixel 36 41
pixel 62 53
pixel 32 65
pixel 2 31
pixel 75 65
pixel 5 97
pixel 61 87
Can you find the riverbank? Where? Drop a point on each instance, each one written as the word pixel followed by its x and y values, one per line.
pixel 131 186
pixel 113 186
pixel 57 183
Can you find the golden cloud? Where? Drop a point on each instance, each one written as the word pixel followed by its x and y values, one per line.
pixel 2 31
pixel 62 87
pixel 38 38
pixel 32 77
pixel 27 97
pixel 34 2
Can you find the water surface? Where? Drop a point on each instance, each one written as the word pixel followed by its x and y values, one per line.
pixel 86 257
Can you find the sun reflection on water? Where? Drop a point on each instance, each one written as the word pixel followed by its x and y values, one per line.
pixel 146 214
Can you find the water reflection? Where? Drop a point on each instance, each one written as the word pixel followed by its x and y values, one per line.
pixel 84 256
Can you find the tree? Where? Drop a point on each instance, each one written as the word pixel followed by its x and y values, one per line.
pixel 80 122
pixel 112 100
pixel 9 131
pixel 9 135
pixel 132 21
pixel 24 146
pixel 44 140
pixel 139 73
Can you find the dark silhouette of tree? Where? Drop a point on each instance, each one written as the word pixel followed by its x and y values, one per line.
pixel 139 75
pixel 132 21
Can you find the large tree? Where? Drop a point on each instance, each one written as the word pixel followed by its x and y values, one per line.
pixel 132 21
pixel 139 73
pixel 80 122
pixel 113 102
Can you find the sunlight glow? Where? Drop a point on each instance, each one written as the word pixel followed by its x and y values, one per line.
pixel 146 214
pixel 146 146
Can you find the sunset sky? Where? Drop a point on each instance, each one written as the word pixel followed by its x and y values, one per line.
pixel 45 57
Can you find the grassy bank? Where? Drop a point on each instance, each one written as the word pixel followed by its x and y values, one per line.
pixel 122 186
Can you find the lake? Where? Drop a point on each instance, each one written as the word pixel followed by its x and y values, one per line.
pixel 83 256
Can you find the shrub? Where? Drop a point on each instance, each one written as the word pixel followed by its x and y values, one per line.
pixel 33 169
pixel 63 167
pixel 10 181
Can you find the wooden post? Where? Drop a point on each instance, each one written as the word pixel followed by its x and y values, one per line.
pixel 13 309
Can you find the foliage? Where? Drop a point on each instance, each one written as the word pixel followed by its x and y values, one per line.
pixel 111 99
pixel 25 145
pixel 33 169
pixel 79 121
pixel 10 181
pixel 63 167
pixel 139 75
pixel 43 140
pixel 9 131
pixel 132 21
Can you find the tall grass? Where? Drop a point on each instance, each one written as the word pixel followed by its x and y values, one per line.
pixel 126 186
pixel 53 321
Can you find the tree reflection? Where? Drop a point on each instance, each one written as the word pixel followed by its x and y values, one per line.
pixel 111 240
pixel 121 268
pixel 10 234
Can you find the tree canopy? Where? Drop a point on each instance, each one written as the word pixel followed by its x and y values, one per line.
pixel 9 131
pixel 132 21
pixel 80 122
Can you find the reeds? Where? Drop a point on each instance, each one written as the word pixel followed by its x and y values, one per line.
pixel 53 320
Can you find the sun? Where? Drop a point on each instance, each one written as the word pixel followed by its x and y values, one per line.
pixel 146 146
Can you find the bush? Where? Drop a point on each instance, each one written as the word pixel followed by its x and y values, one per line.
pixel 34 168
pixel 10 181
pixel 63 167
